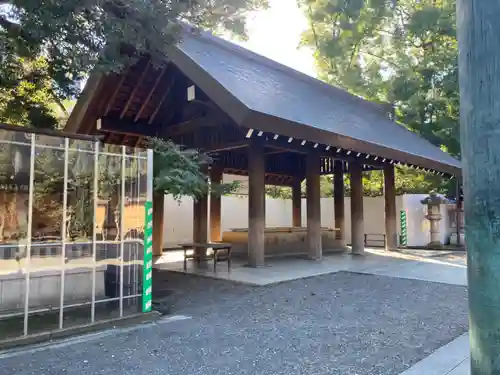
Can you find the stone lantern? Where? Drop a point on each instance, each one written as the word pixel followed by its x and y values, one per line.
pixel 434 202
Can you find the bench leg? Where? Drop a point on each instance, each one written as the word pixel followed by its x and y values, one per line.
pixel 185 260
pixel 215 260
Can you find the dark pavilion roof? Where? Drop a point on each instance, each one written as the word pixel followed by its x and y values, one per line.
pixel 261 94
pixel 269 88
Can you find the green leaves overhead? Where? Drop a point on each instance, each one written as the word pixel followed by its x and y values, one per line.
pixel 70 36
pixel 183 172
pixel 404 52
pixel 398 51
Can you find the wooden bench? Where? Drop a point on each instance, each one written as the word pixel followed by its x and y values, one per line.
pixel 375 237
pixel 217 248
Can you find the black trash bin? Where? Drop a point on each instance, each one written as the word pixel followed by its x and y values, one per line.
pixel 132 274
pixel 112 281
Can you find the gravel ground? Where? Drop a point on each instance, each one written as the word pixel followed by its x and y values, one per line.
pixel 342 323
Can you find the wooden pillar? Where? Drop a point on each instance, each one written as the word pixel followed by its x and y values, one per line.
pixel 313 196
pixel 158 217
pixel 357 225
pixel 215 207
pixel 479 62
pixel 256 204
pixel 200 225
pixel 391 231
pixel 338 200
pixel 297 202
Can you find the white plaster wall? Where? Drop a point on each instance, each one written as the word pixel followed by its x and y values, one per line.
pixel 418 225
pixel 178 221
pixel 178 224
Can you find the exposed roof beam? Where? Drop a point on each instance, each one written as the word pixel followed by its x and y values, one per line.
pixel 106 125
pixel 109 125
pixel 138 141
pixel 134 90
pixel 275 152
pixel 270 178
pixel 191 125
pixel 226 146
pixel 284 146
pixel 150 94
pixel 123 76
pixel 164 96
pixel 281 149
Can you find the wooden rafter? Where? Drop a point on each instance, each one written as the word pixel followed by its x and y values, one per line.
pixel 134 90
pixel 138 141
pixel 164 96
pixel 115 93
pixel 275 152
pixel 136 129
pixel 150 94
pixel 226 146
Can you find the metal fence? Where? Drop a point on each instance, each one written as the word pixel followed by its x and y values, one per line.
pixel 72 224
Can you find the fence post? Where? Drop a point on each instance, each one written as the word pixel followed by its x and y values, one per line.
pixel 403 238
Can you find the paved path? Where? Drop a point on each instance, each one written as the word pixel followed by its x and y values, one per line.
pixel 444 267
pixel 451 359
pixel 342 323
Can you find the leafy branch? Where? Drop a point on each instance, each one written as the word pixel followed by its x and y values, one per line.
pixel 181 172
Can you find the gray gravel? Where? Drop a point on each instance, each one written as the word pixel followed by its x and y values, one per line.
pixel 343 323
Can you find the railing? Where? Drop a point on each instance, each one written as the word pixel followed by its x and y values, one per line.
pixel 73 250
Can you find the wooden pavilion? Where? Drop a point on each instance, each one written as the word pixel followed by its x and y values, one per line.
pixel 264 120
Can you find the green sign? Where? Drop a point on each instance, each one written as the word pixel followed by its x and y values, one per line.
pixel 147 270
pixel 403 239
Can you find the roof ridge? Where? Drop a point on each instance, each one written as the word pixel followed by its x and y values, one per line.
pixel 233 47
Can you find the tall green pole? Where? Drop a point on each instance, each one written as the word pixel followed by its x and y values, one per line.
pixel 479 70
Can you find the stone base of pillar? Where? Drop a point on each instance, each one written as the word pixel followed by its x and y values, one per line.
pixel 362 254
pixel 342 243
pixel 434 245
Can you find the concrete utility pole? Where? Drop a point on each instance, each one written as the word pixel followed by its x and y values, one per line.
pixel 479 65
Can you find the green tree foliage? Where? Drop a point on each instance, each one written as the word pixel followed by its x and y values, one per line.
pixel 399 51
pixel 25 91
pixel 278 192
pixel 183 172
pixel 408 181
pixel 48 47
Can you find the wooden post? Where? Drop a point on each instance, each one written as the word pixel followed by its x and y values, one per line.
pixel 338 200
pixel 357 224
pixel 215 206
pixel 391 224
pixel 256 204
pixel 479 62
pixel 158 217
pixel 313 198
pixel 200 225
pixel 297 202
